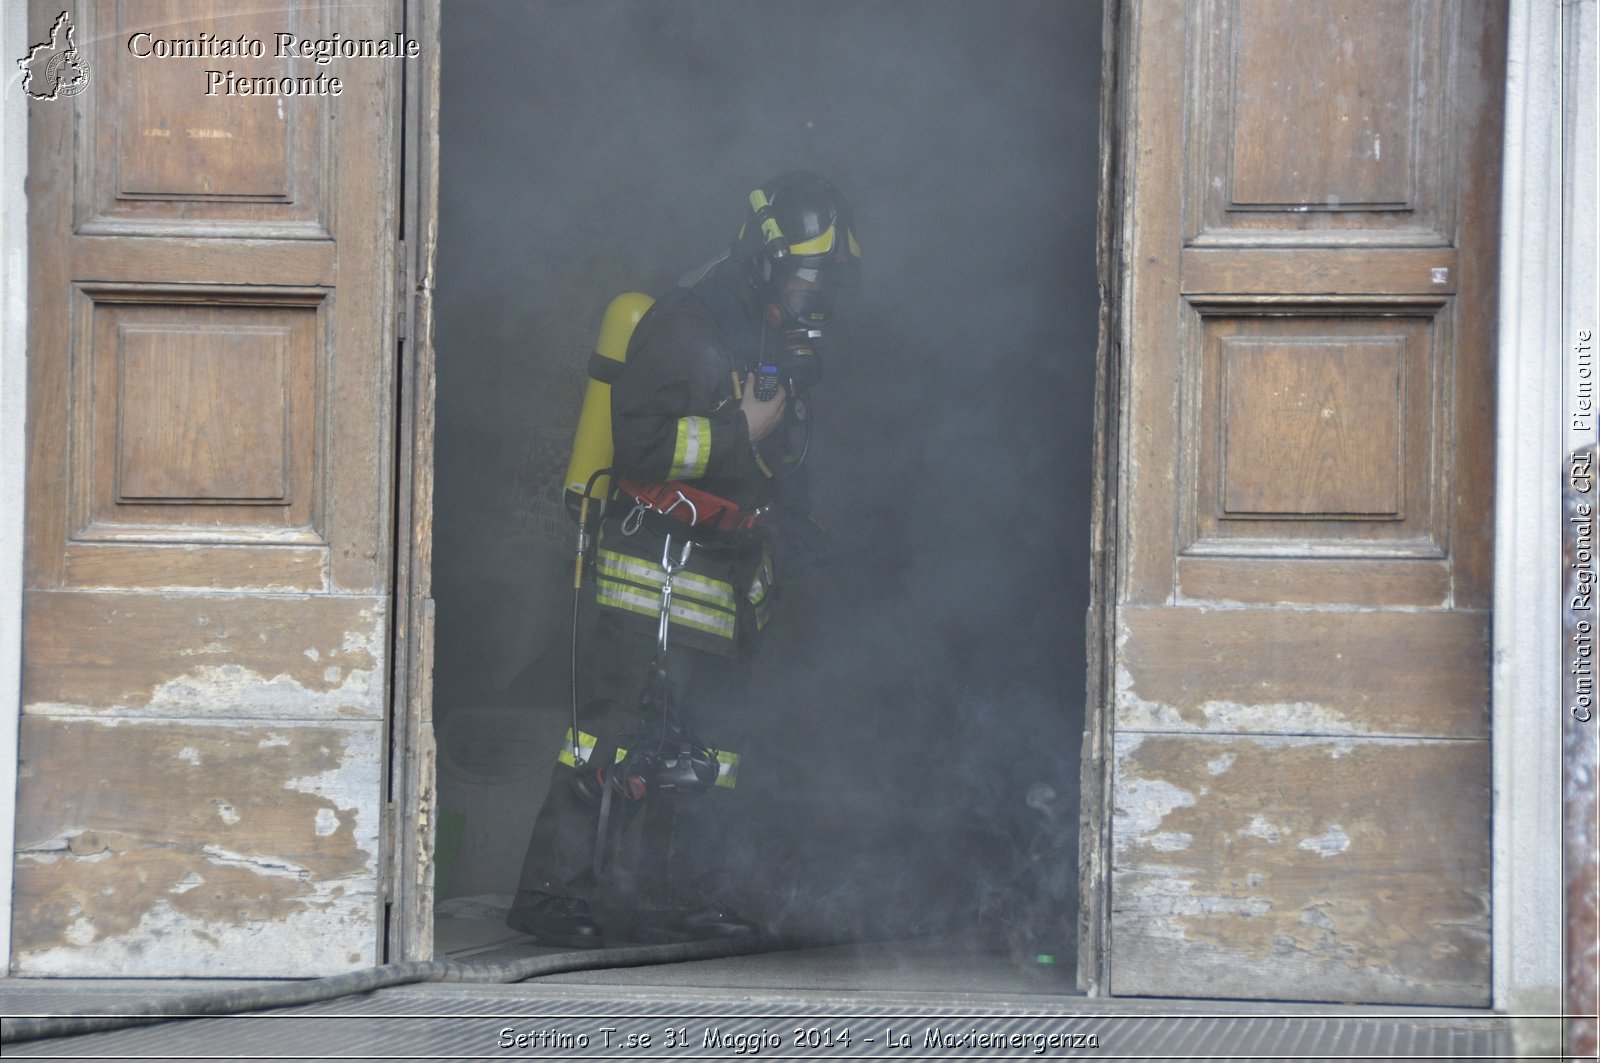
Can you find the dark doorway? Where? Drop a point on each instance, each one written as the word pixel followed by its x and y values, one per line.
pixel 917 774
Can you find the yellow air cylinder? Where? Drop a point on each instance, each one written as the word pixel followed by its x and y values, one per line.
pixel 591 444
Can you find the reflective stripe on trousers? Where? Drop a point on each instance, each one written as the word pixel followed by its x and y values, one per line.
pixel 727 763
pixel 699 602
pixel 757 595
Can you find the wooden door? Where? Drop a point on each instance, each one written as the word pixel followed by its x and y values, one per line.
pixel 1299 771
pixel 209 539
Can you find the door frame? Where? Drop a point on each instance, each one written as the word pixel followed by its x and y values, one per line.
pixel 412 777
pixel 13 440
pixel 1527 804
pixel 1536 265
pixel 1527 811
pixel 1527 522
pixel 1528 801
pixel 1094 831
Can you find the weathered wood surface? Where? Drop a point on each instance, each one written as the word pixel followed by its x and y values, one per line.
pixel 1351 869
pixel 1299 675
pixel 1094 835
pixel 415 769
pixel 210 551
pixel 184 848
pixel 1322 271
pixel 1422 583
pixel 1304 672
pixel 213 656
pixel 193 566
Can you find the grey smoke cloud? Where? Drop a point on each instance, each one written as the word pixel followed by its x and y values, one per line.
pixel 934 674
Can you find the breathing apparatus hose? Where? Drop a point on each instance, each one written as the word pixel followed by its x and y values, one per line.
pixel 797 393
pixel 152 1010
pixel 577 591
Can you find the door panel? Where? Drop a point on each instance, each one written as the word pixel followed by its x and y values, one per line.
pixel 209 569
pixel 197 847
pixel 1303 671
pixel 168 153
pixel 1334 863
pixel 1300 758
pixel 1319 123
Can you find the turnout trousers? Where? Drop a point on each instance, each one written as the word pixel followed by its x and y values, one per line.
pixel 668 850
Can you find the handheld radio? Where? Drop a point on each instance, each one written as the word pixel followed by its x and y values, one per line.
pixel 768 379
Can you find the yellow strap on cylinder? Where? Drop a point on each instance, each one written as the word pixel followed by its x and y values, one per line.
pixel 591 444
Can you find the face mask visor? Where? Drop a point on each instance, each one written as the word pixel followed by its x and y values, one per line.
pixel 806 297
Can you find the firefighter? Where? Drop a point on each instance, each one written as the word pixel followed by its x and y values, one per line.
pixel 710 421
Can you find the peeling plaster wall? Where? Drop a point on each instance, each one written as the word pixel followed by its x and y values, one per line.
pixel 13 375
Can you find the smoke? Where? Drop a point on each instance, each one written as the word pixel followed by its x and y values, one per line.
pixel 918 691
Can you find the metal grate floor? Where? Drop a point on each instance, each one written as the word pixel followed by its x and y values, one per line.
pixel 681 1020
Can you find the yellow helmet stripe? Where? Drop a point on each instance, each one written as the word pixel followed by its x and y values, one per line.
pixel 822 245
pixel 817 245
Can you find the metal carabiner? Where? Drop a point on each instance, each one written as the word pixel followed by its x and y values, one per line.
pixel 669 569
pixel 673 567
pixel 635 518
pixel 683 500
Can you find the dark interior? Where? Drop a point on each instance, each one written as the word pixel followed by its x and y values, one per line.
pixel 916 776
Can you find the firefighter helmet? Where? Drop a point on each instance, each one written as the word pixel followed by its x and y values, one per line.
pixel 798 247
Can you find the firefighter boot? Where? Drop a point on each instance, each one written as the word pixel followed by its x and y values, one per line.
pixel 656 926
pixel 563 921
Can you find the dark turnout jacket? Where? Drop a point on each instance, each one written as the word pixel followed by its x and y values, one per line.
pixel 675 417
pixel 675 408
